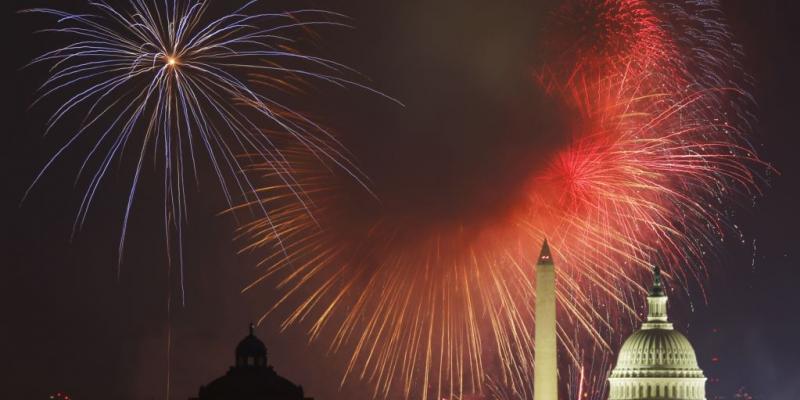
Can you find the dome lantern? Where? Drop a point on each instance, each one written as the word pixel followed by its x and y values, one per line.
pixel 251 352
pixel 657 304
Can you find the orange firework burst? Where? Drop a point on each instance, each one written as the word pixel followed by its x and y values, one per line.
pixel 440 306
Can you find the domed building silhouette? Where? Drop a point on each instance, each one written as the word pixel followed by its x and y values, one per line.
pixel 251 378
pixel 657 362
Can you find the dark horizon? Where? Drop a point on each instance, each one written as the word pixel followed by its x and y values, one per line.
pixel 79 323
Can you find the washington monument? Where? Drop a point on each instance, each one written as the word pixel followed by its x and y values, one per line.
pixel 545 368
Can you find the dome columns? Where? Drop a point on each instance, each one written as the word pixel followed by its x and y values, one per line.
pixel 656 389
pixel 657 309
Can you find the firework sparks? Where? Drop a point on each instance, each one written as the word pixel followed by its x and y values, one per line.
pixel 439 308
pixel 175 84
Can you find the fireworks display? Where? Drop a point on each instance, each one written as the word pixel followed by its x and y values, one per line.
pixel 169 82
pixel 431 306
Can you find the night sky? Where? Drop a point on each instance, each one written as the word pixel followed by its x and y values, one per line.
pixel 74 322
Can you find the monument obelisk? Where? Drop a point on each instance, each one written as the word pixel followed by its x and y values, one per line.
pixel 545 368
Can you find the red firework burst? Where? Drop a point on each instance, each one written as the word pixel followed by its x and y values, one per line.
pixel 435 308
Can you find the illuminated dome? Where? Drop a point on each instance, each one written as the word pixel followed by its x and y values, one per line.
pixel 660 349
pixel 657 362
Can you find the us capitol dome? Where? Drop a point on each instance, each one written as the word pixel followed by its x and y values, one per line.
pixel 657 362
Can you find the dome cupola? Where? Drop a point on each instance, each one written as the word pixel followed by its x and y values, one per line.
pixel 657 362
pixel 251 352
